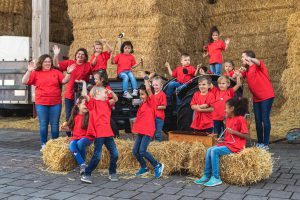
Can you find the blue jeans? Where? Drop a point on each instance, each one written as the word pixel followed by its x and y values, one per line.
pixel 48 114
pixel 140 150
pixel 111 147
pixel 125 76
pixel 211 167
pixel 77 148
pixel 159 124
pixel 69 103
pixel 262 120
pixel 218 127
pixel 216 68
pixel 174 86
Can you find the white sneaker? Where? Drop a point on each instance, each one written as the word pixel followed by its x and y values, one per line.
pixel 43 147
pixel 127 95
pixel 135 93
pixel 265 147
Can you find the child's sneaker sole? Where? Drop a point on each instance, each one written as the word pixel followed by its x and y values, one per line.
pixel 86 181
pixel 213 185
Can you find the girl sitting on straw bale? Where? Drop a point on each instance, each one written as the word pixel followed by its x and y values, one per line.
pixel 100 128
pixel 257 77
pixel 214 50
pixel 234 141
pixel 78 124
pixel 202 105
pixel 144 127
pixel 126 62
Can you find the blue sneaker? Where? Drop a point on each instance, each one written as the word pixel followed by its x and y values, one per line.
pixel 213 182
pixel 142 171
pixel 158 170
pixel 202 180
pixel 259 145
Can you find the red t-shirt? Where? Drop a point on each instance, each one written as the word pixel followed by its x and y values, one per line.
pixel 259 82
pixel 77 131
pixel 202 120
pixel 161 100
pixel 215 51
pixel 145 118
pixel 230 73
pixel 124 62
pixel 219 106
pixel 234 142
pixel 81 72
pixel 181 77
pixel 47 86
pixel 99 121
pixel 101 62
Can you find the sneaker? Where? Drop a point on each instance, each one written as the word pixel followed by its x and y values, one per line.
pixel 127 95
pixel 213 182
pixel 142 171
pixel 265 147
pixel 259 145
pixel 202 180
pixel 135 93
pixel 82 168
pixel 43 147
pixel 158 170
pixel 86 179
pixel 113 177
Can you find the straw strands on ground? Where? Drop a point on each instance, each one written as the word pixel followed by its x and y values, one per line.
pixel 249 166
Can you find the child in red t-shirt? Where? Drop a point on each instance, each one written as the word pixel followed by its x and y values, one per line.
pixel 234 141
pixel 202 105
pixel 100 128
pixel 222 93
pixel 214 50
pixel 144 128
pixel 183 74
pixel 229 69
pixel 126 62
pixel 99 57
pixel 161 104
pixel 78 123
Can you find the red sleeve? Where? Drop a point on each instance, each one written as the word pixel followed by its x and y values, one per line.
pixel 194 99
pixel 231 92
pixel 191 70
pixel 63 65
pixel 163 99
pixel 60 76
pixel 244 127
pixel 213 90
pixel 262 66
pixel 32 78
pixel 91 104
pixel 222 45
pixel 106 55
pixel 210 99
pixel 133 62
pixel 116 59
pixel 174 73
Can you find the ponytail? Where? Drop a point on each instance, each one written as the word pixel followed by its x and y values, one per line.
pixel 240 106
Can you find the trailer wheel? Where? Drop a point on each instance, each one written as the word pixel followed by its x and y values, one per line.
pixel 6 113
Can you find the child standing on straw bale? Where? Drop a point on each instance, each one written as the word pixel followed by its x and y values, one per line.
pixel 183 74
pixel 99 57
pixel 234 141
pixel 100 128
pixel 161 104
pixel 202 105
pixel 144 128
pixel 222 93
pixel 126 62
pixel 214 50
pixel 78 123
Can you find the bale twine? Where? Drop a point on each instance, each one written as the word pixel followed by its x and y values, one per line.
pixel 246 167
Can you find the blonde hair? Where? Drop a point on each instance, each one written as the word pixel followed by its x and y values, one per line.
pixel 98 43
pixel 96 89
pixel 224 78
pixel 159 79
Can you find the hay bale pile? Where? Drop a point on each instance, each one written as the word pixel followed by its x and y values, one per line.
pixel 247 167
pixel 175 155
pixel 15 20
pixel 154 27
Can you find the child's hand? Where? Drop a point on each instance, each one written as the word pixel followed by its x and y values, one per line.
pixel 229 130
pixel 199 66
pixel 203 106
pixel 243 69
pixel 152 75
pixel 201 71
pixel 167 65
pixel 31 66
pixel 96 54
pixel 80 81
pixel 111 102
pixel 56 49
pixel 205 54
pixel 227 41
pixel 64 127
pixel 103 41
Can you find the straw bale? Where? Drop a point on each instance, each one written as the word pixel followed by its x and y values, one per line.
pixel 249 166
pixel 12 6
pixel 195 163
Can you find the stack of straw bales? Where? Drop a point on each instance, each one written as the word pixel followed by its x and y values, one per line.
pixel 154 27
pixel 15 20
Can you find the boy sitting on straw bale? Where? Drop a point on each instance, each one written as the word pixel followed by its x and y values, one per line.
pixel 99 127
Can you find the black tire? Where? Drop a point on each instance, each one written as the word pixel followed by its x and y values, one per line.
pixel 114 128
pixel 185 112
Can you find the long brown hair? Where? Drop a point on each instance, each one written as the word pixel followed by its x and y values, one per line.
pixel 42 58
pixel 75 112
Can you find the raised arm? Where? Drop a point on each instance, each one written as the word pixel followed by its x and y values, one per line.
pixel 68 75
pixel 109 48
pixel 238 83
pixel 169 68
pixel 227 41
pixel 137 64
pixel 30 68
pixel 56 51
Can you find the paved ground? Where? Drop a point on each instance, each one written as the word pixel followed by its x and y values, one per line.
pixel 22 177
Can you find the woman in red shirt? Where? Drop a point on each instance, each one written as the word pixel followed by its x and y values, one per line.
pixel 234 141
pixel 82 71
pixel 257 77
pixel 47 81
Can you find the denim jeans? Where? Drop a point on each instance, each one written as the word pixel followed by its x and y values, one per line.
pixel 69 103
pixel 262 120
pixel 174 86
pixel 77 148
pixel 218 127
pixel 212 157
pixel 216 68
pixel 159 124
pixel 125 76
pixel 140 150
pixel 48 114
pixel 109 143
